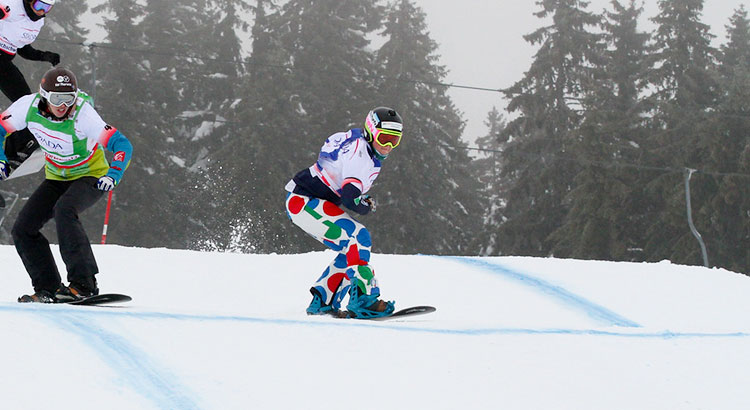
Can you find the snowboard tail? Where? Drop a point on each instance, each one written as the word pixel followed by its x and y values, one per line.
pixel 103 299
pixel 410 311
pixel 406 312
pixel 30 165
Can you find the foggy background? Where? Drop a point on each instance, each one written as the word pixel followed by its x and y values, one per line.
pixel 481 43
pixel 590 167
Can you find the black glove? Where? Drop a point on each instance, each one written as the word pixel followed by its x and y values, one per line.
pixel 52 58
pixel 367 200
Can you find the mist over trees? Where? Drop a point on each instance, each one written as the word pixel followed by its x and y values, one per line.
pixel 609 119
pixel 588 162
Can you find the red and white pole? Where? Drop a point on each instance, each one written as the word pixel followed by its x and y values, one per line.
pixel 106 218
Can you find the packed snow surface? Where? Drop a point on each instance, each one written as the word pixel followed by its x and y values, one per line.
pixel 229 331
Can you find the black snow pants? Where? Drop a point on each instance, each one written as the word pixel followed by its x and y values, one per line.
pixel 18 145
pixel 12 81
pixel 63 201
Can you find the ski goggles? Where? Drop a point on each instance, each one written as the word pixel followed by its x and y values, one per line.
pixel 386 138
pixel 56 99
pixel 39 5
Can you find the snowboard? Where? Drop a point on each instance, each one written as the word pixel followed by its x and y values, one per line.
pixel 102 299
pixel 31 165
pixel 410 311
pixel 406 312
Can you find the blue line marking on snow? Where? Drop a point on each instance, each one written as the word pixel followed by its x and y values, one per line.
pixel 128 353
pixel 597 312
pixel 133 365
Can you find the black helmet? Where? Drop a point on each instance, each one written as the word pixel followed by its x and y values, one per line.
pixel 59 86
pixel 384 121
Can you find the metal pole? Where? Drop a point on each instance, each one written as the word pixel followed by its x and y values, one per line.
pixel 688 175
pixel 92 47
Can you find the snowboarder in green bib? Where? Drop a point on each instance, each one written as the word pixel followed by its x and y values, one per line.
pixel 72 135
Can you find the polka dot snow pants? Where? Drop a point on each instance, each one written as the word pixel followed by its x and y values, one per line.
pixel 333 227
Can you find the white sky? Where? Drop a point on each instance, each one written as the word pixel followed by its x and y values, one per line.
pixel 481 44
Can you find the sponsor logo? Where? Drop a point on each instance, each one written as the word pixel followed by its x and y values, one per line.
pixel 7 117
pixel 9 48
pixel 391 125
pixel 53 142
pixel 60 159
pixel 120 156
pixel 50 145
pixel 63 81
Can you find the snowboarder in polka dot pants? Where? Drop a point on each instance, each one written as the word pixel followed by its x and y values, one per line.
pixel 319 200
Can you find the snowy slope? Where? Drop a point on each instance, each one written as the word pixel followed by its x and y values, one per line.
pixel 228 331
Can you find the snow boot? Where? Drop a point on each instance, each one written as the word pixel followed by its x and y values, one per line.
pixel 41 296
pixel 75 291
pixel 363 306
pixel 318 306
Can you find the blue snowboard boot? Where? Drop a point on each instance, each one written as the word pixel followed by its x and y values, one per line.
pixel 363 306
pixel 318 306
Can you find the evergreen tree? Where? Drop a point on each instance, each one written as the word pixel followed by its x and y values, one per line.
pixel 735 54
pixel 728 234
pixel 487 168
pixel 207 96
pixel 327 45
pixel 427 181
pixel 229 189
pixel 683 62
pixel 212 194
pixel 185 96
pixel 215 94
pixel 120 76
pixel 537 162
pixel 173 105
pixel 606 218
pixel 685 93
pixel 138 215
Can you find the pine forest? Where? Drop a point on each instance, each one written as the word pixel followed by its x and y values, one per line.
pixel 225 100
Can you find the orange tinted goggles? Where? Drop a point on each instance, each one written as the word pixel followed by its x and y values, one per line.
pixel 386 138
